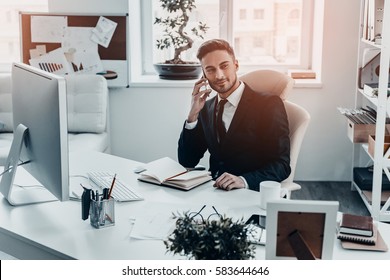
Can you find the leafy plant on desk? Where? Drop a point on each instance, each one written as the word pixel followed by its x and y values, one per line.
pixel 221 239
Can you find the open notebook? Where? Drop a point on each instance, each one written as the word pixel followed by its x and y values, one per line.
pixel 168 172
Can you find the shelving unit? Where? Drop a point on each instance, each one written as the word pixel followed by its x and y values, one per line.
pixel 380 161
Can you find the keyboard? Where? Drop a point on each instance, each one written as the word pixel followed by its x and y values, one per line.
pixel 121 192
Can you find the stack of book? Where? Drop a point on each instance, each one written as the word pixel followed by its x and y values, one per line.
pixel 360 233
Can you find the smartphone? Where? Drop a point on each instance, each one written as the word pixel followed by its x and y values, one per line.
pixel 256 229
pixel 258 220
pixel 206 87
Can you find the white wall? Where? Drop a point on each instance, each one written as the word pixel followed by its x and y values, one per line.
pixel 146 122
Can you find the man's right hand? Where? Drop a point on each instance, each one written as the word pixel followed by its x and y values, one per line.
pixel 199 96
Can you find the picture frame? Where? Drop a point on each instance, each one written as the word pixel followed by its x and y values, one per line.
pixel 307 225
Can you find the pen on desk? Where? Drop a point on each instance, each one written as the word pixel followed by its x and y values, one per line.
pixel 112 186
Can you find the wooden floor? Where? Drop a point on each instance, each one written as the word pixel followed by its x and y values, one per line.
pixel 350 201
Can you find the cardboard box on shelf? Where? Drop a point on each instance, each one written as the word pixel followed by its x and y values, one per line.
pixel 371 144
pixel 358 133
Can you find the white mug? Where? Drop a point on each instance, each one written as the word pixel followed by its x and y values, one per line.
pixel 269 190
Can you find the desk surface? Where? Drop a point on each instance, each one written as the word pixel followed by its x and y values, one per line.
pixel 54 230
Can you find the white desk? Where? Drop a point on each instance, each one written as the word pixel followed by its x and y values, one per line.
pixel 55 230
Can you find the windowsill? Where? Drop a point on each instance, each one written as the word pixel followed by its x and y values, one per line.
pixel 152 81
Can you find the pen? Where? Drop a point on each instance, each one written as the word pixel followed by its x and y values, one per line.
pixel 196 168
pixel 105 193
pixel 112 186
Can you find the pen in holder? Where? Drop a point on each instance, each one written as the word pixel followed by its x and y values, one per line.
pixel 102 213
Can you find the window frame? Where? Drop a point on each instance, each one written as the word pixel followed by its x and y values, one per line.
pixel 226 32
pixel 5 66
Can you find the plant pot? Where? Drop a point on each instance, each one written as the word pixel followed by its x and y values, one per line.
pixel 188 71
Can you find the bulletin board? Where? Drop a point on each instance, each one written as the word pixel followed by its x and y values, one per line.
pixel 90 44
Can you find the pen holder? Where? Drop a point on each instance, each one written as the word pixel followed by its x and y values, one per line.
pixel 102 213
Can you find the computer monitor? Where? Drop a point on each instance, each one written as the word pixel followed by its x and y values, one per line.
pixel 40 136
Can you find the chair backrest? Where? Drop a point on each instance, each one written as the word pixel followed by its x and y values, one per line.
pixel 277 83
pixel 298 119
pixel 6 103
pixel 87 98
pixel 269 81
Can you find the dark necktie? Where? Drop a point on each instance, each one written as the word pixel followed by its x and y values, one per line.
pixel 221 131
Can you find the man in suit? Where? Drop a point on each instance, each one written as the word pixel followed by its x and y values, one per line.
pixel 253 144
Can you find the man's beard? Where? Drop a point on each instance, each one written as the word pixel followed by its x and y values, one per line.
pixel 223 89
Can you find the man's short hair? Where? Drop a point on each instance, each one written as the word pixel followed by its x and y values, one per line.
pixel 214 45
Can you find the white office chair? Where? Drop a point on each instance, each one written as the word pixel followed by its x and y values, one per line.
pixel 274 82
pixel 87 98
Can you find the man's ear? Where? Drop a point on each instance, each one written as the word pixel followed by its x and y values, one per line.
pixel 236 64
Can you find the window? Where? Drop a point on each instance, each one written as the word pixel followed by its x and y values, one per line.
pixel 258 14
pixel 9 31
pixel 242 14
pixel 275 34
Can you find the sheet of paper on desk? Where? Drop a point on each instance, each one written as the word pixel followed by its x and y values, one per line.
pixel 157 226
pixel 152 225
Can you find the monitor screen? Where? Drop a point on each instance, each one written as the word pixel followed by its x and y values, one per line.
pixel 40 135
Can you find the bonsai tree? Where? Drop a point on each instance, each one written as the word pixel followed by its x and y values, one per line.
pixel 174 28
pixel 221 239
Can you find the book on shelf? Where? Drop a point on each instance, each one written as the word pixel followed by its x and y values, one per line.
pixel 168 172
pixel 368 240
pixel 356 225
pixel 371 89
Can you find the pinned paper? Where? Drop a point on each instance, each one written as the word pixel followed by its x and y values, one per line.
pixel 87 61
pixel 79 39
pixel 103 32
pixel 38 51
pixel 48 29
pixel 80 51
pixel 53 62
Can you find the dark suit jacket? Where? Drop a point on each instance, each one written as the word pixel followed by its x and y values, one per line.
pixel 256 146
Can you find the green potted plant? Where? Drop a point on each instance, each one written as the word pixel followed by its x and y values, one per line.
pixel 176 36
pixel 217 239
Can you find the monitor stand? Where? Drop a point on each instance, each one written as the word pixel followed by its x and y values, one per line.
pixel 15 195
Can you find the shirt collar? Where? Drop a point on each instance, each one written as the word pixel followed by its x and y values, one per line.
pixel 235 97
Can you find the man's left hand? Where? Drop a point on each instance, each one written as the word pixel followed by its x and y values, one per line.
pixel 228 182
